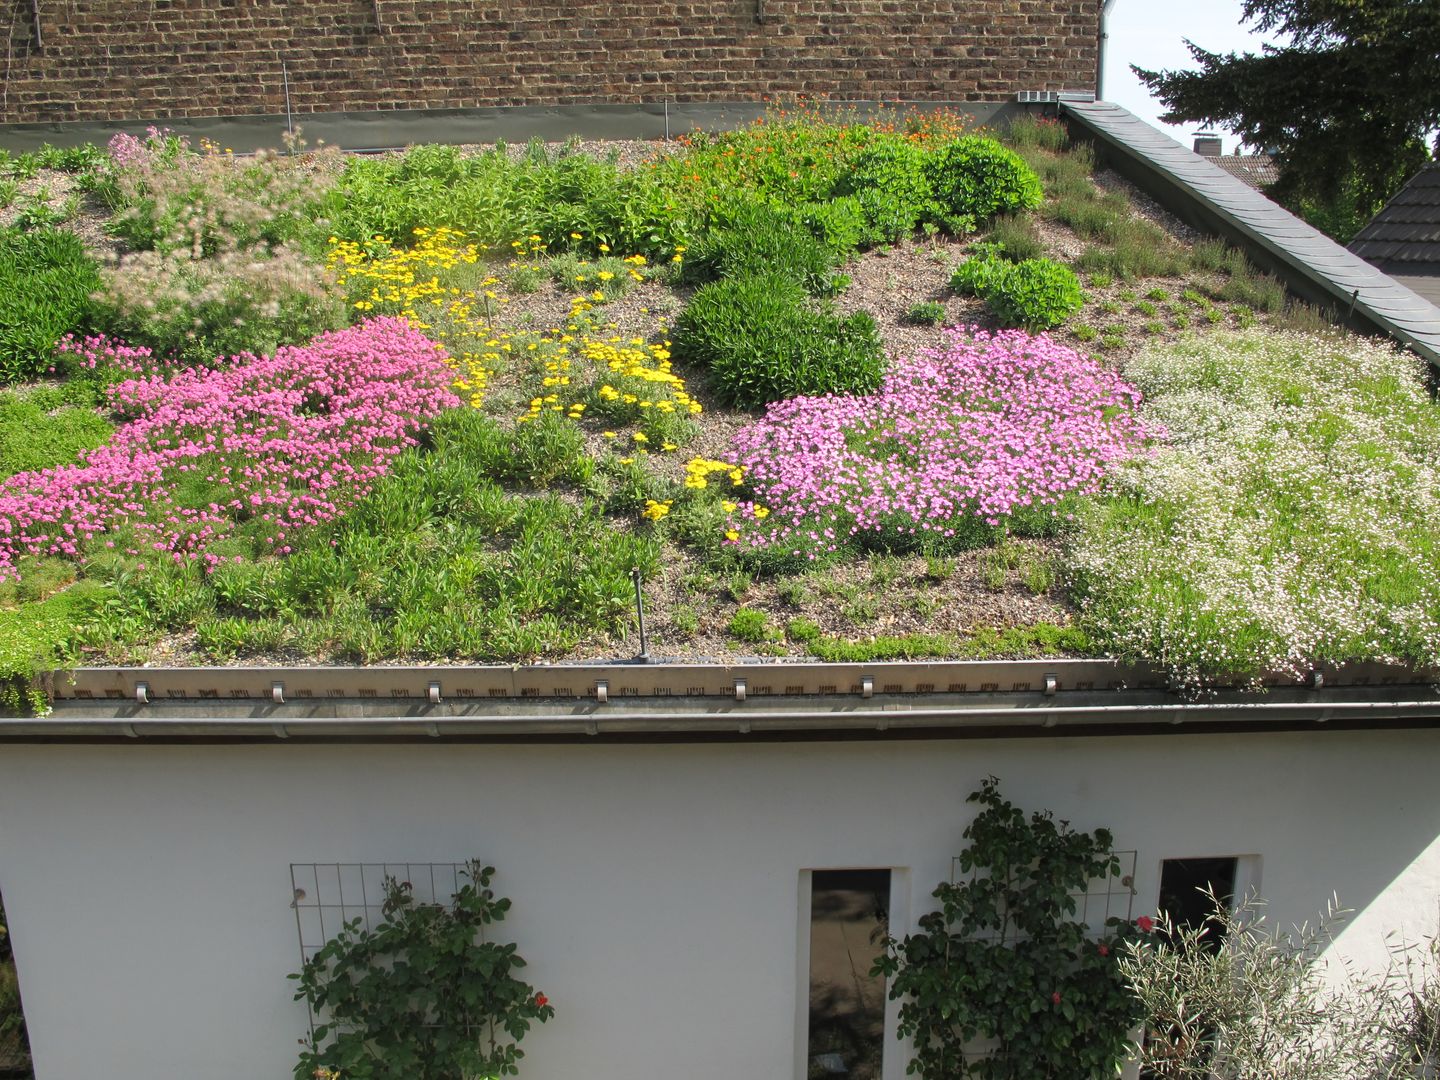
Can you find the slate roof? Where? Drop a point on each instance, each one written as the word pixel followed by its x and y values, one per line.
pixel 1302 252
pixel 1407 229
pixel 1257 170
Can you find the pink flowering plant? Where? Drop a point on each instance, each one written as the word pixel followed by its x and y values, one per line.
pixel 240 454
pixel 993 430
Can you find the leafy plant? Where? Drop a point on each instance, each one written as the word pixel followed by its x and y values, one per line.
pixel 1036 294
pixel 926 313
pixel 424 995
pixel 749 624
pixel 978 177
pixel 1232 998
pixel 1004 960
pixel 763 339
pixel 45 284
pixel 893 191
pixel 759 238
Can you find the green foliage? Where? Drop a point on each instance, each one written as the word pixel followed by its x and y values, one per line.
pixel 1232 998
pixel 1016 237
pixel 1037 132
pixel 978 177
pixel 422 996
pixel 926 313
pixel 1036 294
pixel 45 284
pixel 759 238
pixel 33 438
pixel 1005 960
pixel 35 637
pixel 890 183
pixel 763 340
pixel 1359 139
pixel 840 224
pixel 749 624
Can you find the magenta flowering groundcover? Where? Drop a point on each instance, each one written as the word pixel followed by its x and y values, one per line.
pixel 985 428
pixel 288 440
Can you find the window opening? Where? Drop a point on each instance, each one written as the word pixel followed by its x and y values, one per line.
pixel 1184 884
pixel 849 918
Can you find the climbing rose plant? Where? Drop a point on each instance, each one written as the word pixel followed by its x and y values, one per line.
pixel 1002 982
pixel 422 996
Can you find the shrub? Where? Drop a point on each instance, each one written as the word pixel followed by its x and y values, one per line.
pixel 758 238
pixel 749 624
pixel 45 284
pixel 422 996
pixel 1005 960
pixel 763 339
pixel 1232 998
pixel 839 223
pixel 893 191
pixel 1036 294
pixel 979 177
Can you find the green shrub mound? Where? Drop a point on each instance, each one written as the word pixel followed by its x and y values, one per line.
pixel 45 284
pixel 1037 294
pixel 978 177
pixel 759 238
pixel 762 340
pixel 889 182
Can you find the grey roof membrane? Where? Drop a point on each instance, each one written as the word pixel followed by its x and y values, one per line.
pixel 1302 250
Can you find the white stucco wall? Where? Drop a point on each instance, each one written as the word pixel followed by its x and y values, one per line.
pixel 655 888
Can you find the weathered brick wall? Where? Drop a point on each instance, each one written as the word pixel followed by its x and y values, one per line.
pixel 123 59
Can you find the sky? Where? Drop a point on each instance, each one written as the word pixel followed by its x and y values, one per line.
pixel 1152 33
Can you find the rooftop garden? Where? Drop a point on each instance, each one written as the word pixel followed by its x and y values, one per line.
pixel 837 389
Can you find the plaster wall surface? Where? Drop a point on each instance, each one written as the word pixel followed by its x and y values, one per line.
pixel 656 888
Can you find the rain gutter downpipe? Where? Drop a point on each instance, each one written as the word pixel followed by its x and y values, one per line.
pixel 1100 58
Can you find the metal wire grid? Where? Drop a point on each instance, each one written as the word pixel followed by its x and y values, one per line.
pixel 1100 900
pixel 326 896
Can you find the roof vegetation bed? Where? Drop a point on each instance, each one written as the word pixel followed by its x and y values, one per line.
pixel 842 390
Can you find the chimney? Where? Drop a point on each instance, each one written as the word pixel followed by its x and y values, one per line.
pixel 1207 144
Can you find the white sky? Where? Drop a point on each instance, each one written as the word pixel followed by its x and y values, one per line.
pixel 1152 33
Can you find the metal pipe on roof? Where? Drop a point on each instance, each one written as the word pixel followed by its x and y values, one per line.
pixel 1100 52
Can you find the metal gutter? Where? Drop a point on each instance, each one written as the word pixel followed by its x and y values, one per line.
pixel 1312 264
pixel 661 701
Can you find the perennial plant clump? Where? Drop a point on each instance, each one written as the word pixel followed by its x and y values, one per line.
pixel 990 429
pixel 280 442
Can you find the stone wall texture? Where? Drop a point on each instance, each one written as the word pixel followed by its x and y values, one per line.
pixel 135 59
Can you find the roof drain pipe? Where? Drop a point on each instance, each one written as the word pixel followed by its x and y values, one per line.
pixel 1100 59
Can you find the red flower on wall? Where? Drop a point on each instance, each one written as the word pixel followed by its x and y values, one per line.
pixel 541 1001
pixel 1145 924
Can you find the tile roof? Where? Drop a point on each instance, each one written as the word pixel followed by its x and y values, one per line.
pixel 1301 251
pixel 1407 228
pixel 1257 170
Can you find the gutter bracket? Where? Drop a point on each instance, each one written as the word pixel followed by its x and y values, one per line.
pixel 434 691
pixel 740 689
pixel 142 693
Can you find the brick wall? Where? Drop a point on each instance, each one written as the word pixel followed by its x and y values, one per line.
pixel 126 59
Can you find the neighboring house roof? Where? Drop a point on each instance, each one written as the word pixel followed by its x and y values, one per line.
pixel 1403 239
pixel 1257 170
pixel 1305 257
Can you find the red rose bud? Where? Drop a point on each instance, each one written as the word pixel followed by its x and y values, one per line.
pixel 1145 924
pixel 541 1000
pixel 1055 997
pixel 1104 950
